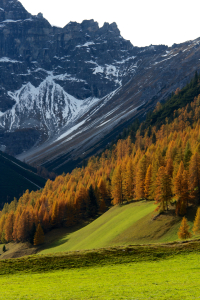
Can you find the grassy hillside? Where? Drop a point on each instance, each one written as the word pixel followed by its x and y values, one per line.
pixel 122 225
pixel 16 177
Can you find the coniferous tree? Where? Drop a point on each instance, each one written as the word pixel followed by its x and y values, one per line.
pixel 187 155
pixel 128 182
pixel 148 182
pixel 117 182
pixel 183 232
pixel 9 224
pixel 3 238
pixel 140 178
pixel 39 236
pixel 32 234
pixel 55 214
pixel 194 177
pixel 154 138
pixel 196 226
pixel 92 203
pixel 22 229
pixel 163 190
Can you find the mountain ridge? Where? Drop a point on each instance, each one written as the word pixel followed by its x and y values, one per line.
pixel 64 89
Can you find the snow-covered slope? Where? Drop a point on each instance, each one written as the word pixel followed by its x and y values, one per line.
pixel 46 107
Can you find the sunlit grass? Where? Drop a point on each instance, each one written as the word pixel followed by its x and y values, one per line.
pixel 173 278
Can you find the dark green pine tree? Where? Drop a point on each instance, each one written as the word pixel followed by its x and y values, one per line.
pixel 92 208
pixel 154 138
pixel 149 131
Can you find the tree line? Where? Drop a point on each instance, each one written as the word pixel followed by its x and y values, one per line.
pixel 162 165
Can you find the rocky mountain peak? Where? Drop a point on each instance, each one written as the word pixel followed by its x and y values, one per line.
pixel 89 25
pixel 12 10
pixel 111 28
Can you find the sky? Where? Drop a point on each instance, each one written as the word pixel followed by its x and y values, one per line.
pixel 143 22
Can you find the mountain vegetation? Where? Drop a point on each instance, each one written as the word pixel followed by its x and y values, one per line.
pixel 163 165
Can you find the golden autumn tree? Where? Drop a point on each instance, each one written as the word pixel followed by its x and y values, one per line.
pixel 14 235
pixel 128 182
pixel 117 193
pixel 163 190
pixel 183 232
pixel 140 177
pixel 9 224
pixel 22 229
pixel 181 190
pixel 103 192
pixel 45 221
pixel 196 226
pixel 39 236
pixel 148 182
pixel 169 167
pixel 55 214
pixel 194 177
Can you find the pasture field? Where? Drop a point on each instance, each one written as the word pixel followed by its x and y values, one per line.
pixel 170 271
pixel 133 223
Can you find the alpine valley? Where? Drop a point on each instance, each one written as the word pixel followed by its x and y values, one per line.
pixel 65 93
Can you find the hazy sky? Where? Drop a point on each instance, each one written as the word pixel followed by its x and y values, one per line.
pixel 143 22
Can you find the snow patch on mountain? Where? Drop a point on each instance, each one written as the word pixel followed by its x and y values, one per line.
pixel 70 130
pixel 9 60
pixel 48 103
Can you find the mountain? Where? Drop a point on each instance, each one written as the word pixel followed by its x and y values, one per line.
pixel 16 177
pixel 66 92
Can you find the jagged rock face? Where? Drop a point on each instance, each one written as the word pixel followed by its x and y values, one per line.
pixel 64 89
pixel 12 10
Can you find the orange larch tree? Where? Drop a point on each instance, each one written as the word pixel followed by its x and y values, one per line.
pixel 9 224
pixel 39 236
pixel 117 183
pixel 194 177
pixel 148 182
pixel 196 226
pixel 163 190
pixel 140 178
pixel 183 232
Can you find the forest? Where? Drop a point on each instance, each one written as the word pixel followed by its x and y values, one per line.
pixel 159 161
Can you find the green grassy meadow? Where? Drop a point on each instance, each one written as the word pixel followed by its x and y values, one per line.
pixel 127 277
pixel 122 225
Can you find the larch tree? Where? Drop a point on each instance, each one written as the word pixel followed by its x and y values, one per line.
pixel 180 190
pixel 22 229
pixel 9 224
pixel 14 235
pixel 194 177
pixel 103 192
pixel 148 182
pixel 140 178
pixel 128 182
pixel 117 180
pixel 169 167
pixel 196 226
pixel 55 214
pixel 183 232
pixel 163 190
pixel 39 236
pixel 187 155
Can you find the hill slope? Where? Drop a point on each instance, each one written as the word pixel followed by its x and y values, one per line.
pixel 133 223
pixel 16 177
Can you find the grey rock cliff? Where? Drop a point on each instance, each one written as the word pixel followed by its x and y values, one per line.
pixel 63 89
